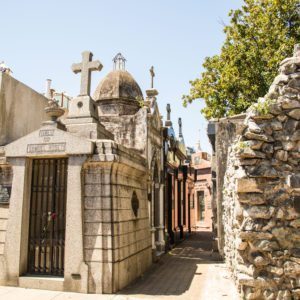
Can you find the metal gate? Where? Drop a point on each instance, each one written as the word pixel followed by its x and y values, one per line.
pixel 47 217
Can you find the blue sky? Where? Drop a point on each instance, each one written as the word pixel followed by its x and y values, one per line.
pixel 41 39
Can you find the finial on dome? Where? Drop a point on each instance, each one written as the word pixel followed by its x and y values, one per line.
pixel 119 62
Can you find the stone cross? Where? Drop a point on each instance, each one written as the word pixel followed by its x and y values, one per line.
pixel 180 127
pixel 152 76
pixel 86 67
pixel 168 112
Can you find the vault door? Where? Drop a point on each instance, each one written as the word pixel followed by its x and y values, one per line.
pixel 47 217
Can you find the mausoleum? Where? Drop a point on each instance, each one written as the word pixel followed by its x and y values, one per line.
pixel 81 197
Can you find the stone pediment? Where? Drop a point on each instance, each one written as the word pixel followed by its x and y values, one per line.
pixel 49 141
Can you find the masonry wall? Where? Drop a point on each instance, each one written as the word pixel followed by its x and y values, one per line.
pixel 261 194
pixel 117 243
pixel 226 132
pixel 5 191
pixel 21 109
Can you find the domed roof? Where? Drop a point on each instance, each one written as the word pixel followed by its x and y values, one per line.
pixel 118 84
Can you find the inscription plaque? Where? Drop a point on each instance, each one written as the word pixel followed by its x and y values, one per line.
pixel 46 148
pixel 49 132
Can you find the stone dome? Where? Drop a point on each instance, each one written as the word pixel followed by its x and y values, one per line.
pixel 118 84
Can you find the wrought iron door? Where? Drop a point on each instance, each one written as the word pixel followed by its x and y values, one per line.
pixel 47 217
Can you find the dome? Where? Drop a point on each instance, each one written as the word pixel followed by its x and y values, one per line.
pixel 118 84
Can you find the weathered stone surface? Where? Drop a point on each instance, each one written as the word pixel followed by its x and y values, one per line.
pixel 248 162
pixel 290 104
pixel 255 235
pixel 281 155
pixel 259 212
pixel 245 185
pixel 265 245
pixel 268 148
pixel 291 268
pixel 253 127
pixel 261 137
pixel 295 114
pixel 287 238
pixel 254 144
pixel 251 198
pixel 295 223
pixel 261 170
pixel 267 193
pixel 276 125
pixel 296 136
pixel 275 270
pixel 249 153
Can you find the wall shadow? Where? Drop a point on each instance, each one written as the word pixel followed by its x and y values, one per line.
pixel 174 272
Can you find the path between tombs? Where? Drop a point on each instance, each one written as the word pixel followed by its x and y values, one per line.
pixel 190 271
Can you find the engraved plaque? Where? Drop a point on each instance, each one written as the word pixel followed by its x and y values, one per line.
pixel 46 148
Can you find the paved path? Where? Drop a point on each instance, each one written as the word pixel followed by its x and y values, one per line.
pixel 190 271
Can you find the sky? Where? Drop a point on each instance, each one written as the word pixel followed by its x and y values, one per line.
pixel 41 39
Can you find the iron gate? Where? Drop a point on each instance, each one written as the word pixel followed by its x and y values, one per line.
pixel 47 217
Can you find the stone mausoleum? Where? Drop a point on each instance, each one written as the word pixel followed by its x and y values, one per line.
pixel 80 195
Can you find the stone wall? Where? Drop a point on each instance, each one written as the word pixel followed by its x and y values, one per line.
pixel 128 130
pixel 225 133
pixel 117 241
pixel 261 194
pixel 5 191
pixel 21 109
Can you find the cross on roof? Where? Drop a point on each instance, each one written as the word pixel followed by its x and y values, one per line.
pixel 86 67
pixel 152 76
pixel 180 127
pixel 168 112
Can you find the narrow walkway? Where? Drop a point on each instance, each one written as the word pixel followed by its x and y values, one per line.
pixel 190 271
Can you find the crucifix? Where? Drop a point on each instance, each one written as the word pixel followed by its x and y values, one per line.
pixel 180 127
pixel 86 67
pixel 152 76
pixel 168 112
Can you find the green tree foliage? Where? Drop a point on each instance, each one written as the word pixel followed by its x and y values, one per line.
pixel 260 35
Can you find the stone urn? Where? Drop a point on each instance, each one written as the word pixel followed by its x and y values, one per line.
pixel 53 110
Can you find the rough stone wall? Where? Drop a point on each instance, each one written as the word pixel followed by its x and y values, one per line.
pixel 261 195
pixel 21 109
pixel 117 243
pixel 226 132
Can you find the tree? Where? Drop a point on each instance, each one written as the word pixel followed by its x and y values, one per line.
pixel 260 35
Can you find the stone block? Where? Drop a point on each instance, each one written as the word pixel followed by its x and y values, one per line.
pixel 291 268
pixel 4 212
pixel 251 198
pixel 99 228
pixel 92 190
pixel 98 255
pixel 95 277
pixel 295 114
pixel 98 241
pixel 3 224
pixel 248 185
pixel 93 178
pixel 293 181
pixel 2 236
pixel 259 212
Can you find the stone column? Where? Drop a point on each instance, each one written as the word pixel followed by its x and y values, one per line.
pixel 76 270
pixel 18 221
pixel 152 217
pixel 161 231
